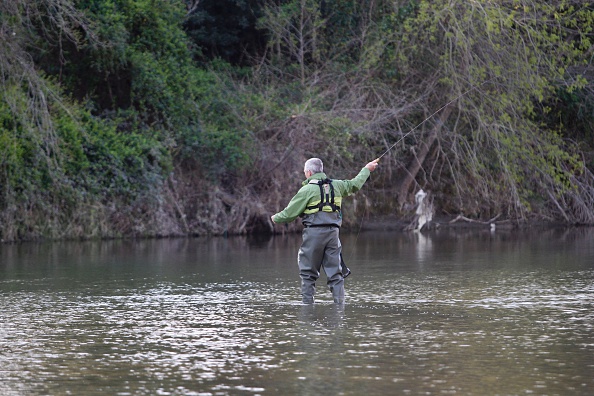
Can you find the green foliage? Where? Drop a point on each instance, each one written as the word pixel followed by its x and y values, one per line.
pixel 167 92
pixel 572 111
pixel 12 149
pixel 107 164
pixel 221 138
pixel 58 163
pixel 140 75
pixel 135 91
pixel 462 45
pixel 141 60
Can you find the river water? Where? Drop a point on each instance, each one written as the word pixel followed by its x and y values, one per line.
pixel 448 312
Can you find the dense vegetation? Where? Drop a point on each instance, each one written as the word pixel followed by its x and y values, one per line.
pixel 173 117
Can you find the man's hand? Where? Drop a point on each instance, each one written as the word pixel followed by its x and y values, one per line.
pixel 272 218
pixel 372 165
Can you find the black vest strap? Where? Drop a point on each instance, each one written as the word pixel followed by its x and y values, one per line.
pixel 326 199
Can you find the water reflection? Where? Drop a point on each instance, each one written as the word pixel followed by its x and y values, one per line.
pixel 449 312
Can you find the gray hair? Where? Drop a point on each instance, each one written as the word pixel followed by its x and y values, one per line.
pixel 314 164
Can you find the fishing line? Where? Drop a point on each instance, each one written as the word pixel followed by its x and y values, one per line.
pixel 411 131
pixel 431 116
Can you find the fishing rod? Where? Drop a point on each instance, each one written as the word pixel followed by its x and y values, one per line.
pixel 431 116
pixel 414 129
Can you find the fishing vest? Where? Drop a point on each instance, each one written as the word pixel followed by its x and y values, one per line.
pixel 328 202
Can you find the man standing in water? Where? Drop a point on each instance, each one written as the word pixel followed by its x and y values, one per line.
pixel 318 203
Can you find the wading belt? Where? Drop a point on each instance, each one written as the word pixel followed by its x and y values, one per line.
pixel 326 195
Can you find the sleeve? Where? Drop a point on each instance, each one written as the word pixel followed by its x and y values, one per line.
pixel 295 207
pixel 349 187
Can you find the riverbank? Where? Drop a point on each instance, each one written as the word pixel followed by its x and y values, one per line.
pixel 394 223
pixel 375 223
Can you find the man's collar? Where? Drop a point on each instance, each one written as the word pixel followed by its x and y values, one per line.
pixel 316 176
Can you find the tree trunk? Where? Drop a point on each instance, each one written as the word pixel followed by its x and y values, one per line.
pixel 417 162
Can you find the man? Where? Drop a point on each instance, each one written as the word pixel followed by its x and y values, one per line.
pixel 318 203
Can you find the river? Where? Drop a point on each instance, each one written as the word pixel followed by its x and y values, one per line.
pixel 465 312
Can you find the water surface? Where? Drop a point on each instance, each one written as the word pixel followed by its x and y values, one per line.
pixel 448 312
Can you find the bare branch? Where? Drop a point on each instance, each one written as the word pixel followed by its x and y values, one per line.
pixel 191 5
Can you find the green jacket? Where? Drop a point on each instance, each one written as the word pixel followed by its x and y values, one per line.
pixel 309 195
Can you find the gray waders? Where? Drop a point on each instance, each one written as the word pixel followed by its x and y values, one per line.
pixel 320 249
